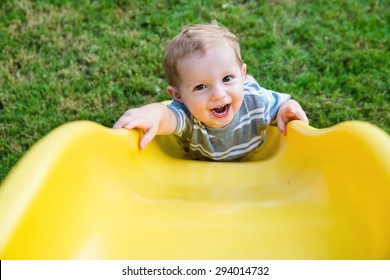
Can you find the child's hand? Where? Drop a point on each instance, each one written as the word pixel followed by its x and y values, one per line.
pixel 139 118
pixel 152 119
pixel 290 110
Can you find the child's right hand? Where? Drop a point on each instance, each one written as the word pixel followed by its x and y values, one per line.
pixel 152 119
pixel 142 119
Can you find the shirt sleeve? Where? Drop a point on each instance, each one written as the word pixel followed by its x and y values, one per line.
pixel 270 101
pixel 275 101
pixel 183 117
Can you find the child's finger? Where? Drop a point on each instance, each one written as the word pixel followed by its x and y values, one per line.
pixel 295 114
pixel 301 115
pixel 126 120
pixel 282 128
pixel 147 137
pixel 122 122
pixel 289 113
pixel 281 123
pixel 119 124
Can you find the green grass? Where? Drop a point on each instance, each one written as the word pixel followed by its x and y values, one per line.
pixel 62 61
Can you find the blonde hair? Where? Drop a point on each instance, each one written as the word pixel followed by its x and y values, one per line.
pixel 194 40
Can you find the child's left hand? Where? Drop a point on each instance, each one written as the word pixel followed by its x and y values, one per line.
pixel 290 110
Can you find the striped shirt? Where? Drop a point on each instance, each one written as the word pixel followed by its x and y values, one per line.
pixel 237 140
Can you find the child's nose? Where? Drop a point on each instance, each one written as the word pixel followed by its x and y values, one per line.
pixel 218 93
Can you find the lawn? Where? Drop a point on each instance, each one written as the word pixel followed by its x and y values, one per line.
pixel 62 61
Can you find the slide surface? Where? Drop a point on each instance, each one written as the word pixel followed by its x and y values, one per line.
pixel 87 192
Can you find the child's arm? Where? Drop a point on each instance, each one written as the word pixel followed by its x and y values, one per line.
pixel 153 119
pixel 289 110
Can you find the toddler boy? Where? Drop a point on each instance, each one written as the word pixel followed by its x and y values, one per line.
pixel 218 111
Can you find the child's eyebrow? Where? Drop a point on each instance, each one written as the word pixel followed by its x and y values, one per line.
pixel 196 82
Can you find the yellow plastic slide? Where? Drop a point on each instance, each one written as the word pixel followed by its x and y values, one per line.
pixel 87 192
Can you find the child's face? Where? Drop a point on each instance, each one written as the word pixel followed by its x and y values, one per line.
pixel 211 85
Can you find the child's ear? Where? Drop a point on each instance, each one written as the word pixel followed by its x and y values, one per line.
pixel 174 93
pixel 243 70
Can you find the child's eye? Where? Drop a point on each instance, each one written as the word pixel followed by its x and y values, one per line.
pixel 199 87
pixel 227 78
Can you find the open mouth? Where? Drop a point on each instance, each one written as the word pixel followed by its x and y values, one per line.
pixel 221 111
